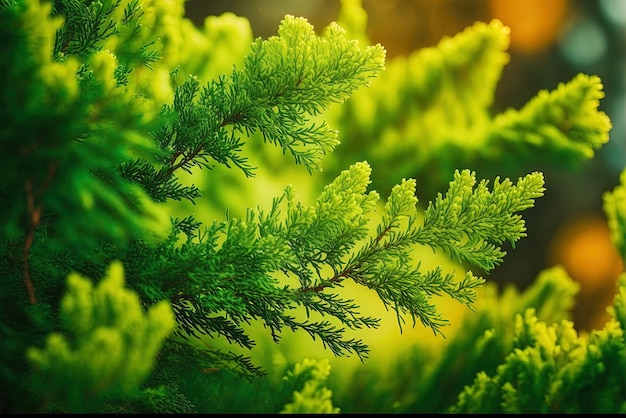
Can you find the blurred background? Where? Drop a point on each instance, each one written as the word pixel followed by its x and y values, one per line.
pixel 551 42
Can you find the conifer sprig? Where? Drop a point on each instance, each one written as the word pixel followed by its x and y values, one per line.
pixel 284 82
pixel 86 26
pixel 314 72
pixel 566 120
pixel 108 343
pixel 313 397
pixel 438 102
pixel 272 262
pixel 470 223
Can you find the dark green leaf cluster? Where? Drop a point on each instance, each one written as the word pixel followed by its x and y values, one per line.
pixel 85 26
pixel 66 129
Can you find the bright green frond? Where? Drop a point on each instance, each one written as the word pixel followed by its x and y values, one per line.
pixel 294 76
pixel 471 222
pixel 565 120
pixel 313 397
pixel 551 368
pixel 108 345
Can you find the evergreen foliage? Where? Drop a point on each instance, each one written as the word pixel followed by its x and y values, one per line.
pixel 113 348
pixel 550 368
pixel 479 343
pixel 432 112
pixel 314 398
pixel 111 107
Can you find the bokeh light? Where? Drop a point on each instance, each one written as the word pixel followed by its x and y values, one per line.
pixel 585 43
pixel 534 24
pixel 583 246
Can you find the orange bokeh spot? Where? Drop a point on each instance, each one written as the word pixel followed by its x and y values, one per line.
pixel 584 248
pixel 535 24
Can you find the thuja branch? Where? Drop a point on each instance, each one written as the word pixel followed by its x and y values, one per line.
pixel 324 244
pixel 350 272
pixel 284 82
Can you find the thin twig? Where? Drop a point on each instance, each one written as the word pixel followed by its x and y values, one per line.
pixel 35 217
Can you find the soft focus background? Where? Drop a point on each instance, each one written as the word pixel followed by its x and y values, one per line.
pixel 551 42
